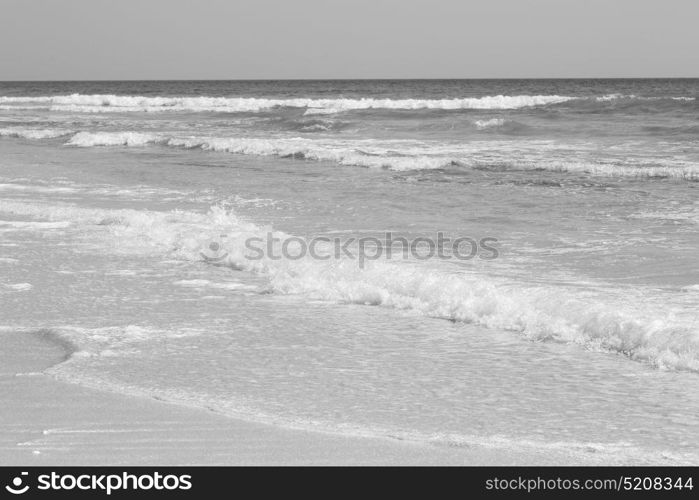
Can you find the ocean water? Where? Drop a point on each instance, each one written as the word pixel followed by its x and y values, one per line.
pixel 127 210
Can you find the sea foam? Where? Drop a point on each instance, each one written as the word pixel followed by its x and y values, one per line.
pixel 124 103
pixel 28 133
pixel 491 123
pixel 623 321
pixel 398 155
pixel 402 155
pixel 96 103
pixel 88 139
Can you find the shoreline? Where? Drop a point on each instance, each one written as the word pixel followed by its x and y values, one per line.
pixel 50 422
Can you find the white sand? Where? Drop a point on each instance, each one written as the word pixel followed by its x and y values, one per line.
pixel 48 422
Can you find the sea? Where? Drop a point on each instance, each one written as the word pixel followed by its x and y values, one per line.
pixel 231 246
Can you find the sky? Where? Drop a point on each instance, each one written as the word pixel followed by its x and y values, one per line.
pixel 279 39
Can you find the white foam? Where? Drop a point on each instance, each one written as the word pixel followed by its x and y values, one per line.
pixel 101 103
pixel 125 103
pixel 32 225
pixel 403 155
pixel 24 99
pixel 15 107
pixel 201 283
pixel 35 188
pixel 357 153
pixel 342 152
pixel 19 287
pixel 88 139
pixel 28 133
pixel 626 321
pixel 491 123
pixel 661 169
pixel 114 340
pixel 614 97
pixel 121 272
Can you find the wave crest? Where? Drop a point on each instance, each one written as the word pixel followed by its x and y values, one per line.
pixel 623 321
pixel 29 133
pixel 398 155
pixel 109 103
pixel 123 103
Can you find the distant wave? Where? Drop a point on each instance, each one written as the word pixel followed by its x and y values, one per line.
pixel 614 97
pixel 88 139
pixel 668 169
pixel 491 123
pixel 132 103
pixel 117 103
pixel 597 319
pixel 305 124
pixel 343 153
pixel 29 133
pixel 503 126
pixel 398 155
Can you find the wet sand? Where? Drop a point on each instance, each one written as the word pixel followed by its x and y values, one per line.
pixel 48 422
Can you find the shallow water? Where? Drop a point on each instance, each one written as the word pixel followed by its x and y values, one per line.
pixel 582 334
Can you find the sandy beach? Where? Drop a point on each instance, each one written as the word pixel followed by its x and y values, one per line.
pixel 48 422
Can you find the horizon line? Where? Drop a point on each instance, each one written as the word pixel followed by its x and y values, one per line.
pixel 351 79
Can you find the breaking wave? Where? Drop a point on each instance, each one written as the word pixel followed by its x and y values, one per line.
pixel 491 123
pixel 88 139
pixel 623 321
pixel 97 103
pixel 116 103
pixel 402 155
pixel 614 97
pixel 397 155
pixel 28 133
